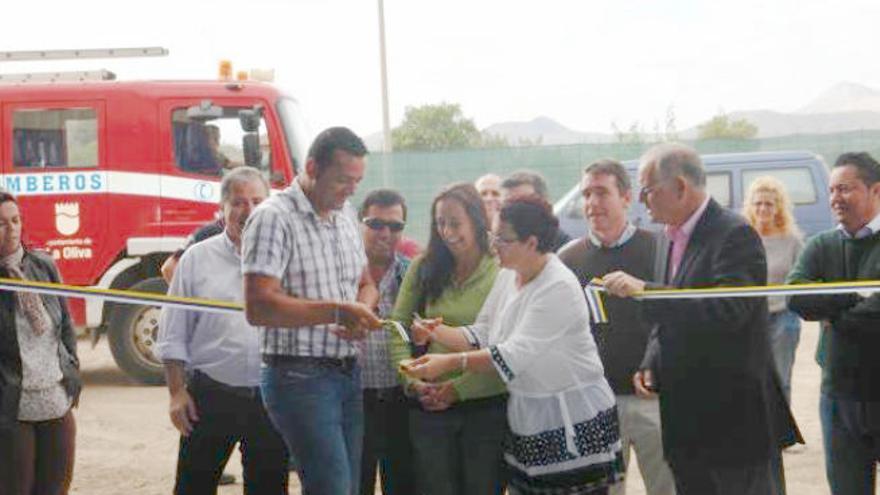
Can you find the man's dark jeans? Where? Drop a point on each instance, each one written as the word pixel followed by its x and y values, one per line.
pixel 387 443
pixel 851 431
pixel 228 415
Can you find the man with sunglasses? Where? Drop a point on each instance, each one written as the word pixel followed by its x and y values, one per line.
pixel 386 416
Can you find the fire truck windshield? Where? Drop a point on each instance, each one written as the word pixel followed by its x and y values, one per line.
pixel 295 131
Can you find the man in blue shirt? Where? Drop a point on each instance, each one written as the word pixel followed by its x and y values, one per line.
pixel 212 360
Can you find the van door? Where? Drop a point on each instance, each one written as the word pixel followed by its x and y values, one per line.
pixel 53 161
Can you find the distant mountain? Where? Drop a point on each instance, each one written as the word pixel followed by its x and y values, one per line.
pixel 844 107
pixel 542 130
pixel 774 124
pixel 844 97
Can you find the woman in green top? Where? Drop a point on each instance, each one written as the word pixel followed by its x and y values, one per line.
pixel 460 422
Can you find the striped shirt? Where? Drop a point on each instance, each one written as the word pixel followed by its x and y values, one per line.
pixel 313 258
pixel 376 368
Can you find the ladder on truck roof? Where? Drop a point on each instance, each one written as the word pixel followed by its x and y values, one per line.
pixel 72 54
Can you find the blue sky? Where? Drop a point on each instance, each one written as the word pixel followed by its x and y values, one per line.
pixel 584 63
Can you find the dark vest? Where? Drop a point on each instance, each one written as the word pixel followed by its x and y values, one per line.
pixel 622 340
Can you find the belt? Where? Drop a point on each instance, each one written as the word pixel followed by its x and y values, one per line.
pixel 387 394
pixel 346 364
pixel 201 381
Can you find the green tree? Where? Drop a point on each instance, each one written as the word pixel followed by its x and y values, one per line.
pixel 436 127
pixel 722 126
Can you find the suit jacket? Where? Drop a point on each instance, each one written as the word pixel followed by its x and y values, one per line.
pixel 720 397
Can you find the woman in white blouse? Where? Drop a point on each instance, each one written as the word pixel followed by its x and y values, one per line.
pixel 533 330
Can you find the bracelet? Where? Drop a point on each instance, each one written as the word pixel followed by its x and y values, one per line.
pixel 463 361
pixel 336 313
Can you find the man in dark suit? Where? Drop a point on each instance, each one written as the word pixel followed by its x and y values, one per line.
pixel 723 414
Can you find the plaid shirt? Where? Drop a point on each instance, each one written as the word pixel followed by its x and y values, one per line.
pixel 314 258
pixel 376 369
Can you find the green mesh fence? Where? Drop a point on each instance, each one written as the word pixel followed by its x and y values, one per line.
pixel 420 175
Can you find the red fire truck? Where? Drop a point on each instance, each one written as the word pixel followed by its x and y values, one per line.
pixel 113 176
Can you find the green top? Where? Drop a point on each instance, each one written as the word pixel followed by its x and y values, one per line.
pixel 849 339
pixel 458 305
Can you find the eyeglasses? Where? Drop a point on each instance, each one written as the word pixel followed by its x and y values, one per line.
pixel 645 191
pixel 378 224
pixel 497 239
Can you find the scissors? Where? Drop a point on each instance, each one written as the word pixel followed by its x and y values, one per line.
pixel 398 328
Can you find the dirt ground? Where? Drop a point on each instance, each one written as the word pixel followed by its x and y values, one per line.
pixel 126 444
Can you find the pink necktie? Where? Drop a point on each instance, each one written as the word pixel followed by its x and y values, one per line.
pixel 679 242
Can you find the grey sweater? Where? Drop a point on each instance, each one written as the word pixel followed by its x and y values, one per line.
pixel 782 252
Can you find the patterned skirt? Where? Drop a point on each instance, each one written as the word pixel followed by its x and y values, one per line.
pixel 567 461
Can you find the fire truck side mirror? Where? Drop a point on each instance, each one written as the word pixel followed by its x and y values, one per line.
pixel 250 119
pixel 253 156
pixel 204 111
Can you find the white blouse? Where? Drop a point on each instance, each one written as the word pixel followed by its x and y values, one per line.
pixel 561 410
pixel 42 395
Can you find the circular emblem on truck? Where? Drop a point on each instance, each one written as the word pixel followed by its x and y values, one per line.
pixel 204 191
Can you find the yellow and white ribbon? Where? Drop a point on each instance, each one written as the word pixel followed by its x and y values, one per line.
pixel 121 296
pixel 595 301
pixel 150 298
pixel 593 290
pixel 863 287
pixel 595 293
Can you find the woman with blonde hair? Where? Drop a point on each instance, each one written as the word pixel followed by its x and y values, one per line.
pixel 768 209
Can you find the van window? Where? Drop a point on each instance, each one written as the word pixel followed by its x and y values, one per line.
pixel 798 181
pixel 49 137
pixel 296 132
pixel 718 186
pixel 211 147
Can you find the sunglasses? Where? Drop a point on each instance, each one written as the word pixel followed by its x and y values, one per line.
pixel 378 224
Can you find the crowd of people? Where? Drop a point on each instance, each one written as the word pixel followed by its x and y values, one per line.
pixel 476 366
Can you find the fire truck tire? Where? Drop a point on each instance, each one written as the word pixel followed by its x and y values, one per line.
pixel 133 331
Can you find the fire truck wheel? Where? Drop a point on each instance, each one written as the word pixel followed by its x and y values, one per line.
pixel 133 331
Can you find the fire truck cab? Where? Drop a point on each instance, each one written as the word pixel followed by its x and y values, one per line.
pixel 112 177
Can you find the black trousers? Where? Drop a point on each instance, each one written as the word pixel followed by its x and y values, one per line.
pixel 763 477
pixel 230 415
pixel 459 451
pixel 387 443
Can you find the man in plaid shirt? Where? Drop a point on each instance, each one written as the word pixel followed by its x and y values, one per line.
pixel 309 293
pixel 386 413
